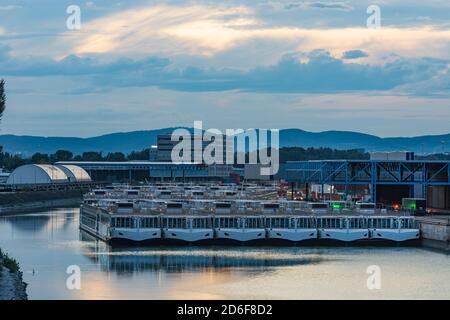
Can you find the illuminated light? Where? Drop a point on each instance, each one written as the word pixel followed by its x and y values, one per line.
pixel 337 206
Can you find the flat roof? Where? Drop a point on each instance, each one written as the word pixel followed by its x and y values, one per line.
pixel 368 160
pixel 125 163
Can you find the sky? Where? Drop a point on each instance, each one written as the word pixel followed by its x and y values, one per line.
pixel 139 65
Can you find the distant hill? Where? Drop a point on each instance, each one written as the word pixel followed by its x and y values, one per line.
pixel 137 140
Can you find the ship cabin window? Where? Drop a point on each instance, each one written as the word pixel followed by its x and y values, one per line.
pixel 149 222
pixel 319 206
pixel 356 223
pixel 122 222
pixel 253 223
pixel 271 206
pixel 330 223
pixel 174 205
pixel 223 205
pixel 200 223
pixel 228 223
pixel 382 223
pixel 279 223
pixel 125 205
pixel 366 205
pixel 175 223
pixel 88 221
pixel 303 223
pixel 400 223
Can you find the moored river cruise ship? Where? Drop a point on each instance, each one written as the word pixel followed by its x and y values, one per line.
pixel 242 221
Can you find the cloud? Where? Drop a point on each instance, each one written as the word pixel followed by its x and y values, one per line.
pixel 9 7
pixel 319 5
pixel 202 30
pixel 153 27
pixel 4 52
pixel 354 54
pixel 313 72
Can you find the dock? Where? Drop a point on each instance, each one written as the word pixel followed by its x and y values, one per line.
pixel 435 232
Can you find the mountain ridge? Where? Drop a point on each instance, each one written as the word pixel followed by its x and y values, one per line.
pixel 126 142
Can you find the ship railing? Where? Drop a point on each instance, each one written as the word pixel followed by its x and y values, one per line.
pixel 344 222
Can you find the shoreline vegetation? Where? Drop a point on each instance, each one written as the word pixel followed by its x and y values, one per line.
pixel 11 161
pixel 12 286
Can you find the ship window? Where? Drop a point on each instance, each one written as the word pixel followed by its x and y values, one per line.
pixel 200 223
pixel 120 222
pixel 252 223
pixel 175 223
pixel 88 221
pixel 279 223
pixel 228 222
pixel 319 206
pixel 149 222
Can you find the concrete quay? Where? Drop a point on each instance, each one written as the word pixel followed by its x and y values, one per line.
pixel 435 232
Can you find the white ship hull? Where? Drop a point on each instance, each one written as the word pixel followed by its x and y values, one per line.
pixel 395 234
pixel 292 234
pixel 241 235
pixel 188 235
pixel 101 235
pixel 135 234
pixel 346 235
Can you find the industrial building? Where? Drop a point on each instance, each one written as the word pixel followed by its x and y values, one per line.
pixel 45 174
pixel 165 145
pixel 388 181
pixel 130 171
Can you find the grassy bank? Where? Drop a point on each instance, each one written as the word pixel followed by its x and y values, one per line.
pixel 9 263
pixel 12 286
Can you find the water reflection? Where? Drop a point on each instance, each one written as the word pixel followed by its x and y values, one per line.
pixel 46 243
pixel 125 259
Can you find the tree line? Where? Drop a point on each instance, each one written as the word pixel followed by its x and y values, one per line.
pixel 11 161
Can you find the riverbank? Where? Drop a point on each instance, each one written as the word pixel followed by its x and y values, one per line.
pixel 12 286
pixel 25 201
pixel 435 232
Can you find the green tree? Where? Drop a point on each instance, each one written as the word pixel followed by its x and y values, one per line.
pixel 2 97
pixel 92 156
pixel 40 158
pixel 115 157
pixel 139 155
pixel 2 104
pixel 62 155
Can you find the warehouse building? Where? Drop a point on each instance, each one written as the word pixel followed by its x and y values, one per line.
pixel 45 174
pixel 132 171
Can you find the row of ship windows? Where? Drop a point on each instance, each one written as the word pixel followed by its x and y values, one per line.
pixel 207 223
pixel 119 222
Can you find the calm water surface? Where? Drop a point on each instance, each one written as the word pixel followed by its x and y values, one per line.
pixel 46 243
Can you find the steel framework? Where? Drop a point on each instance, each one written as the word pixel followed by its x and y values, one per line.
pixel 371 172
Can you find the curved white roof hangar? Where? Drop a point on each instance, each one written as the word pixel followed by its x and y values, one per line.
pixel 37 174
pixel 74 173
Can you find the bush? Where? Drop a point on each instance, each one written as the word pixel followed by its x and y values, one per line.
pixel 11 264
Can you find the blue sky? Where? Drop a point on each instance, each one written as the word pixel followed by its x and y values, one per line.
pixel 137 65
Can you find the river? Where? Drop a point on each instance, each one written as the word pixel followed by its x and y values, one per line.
pixel 48 243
